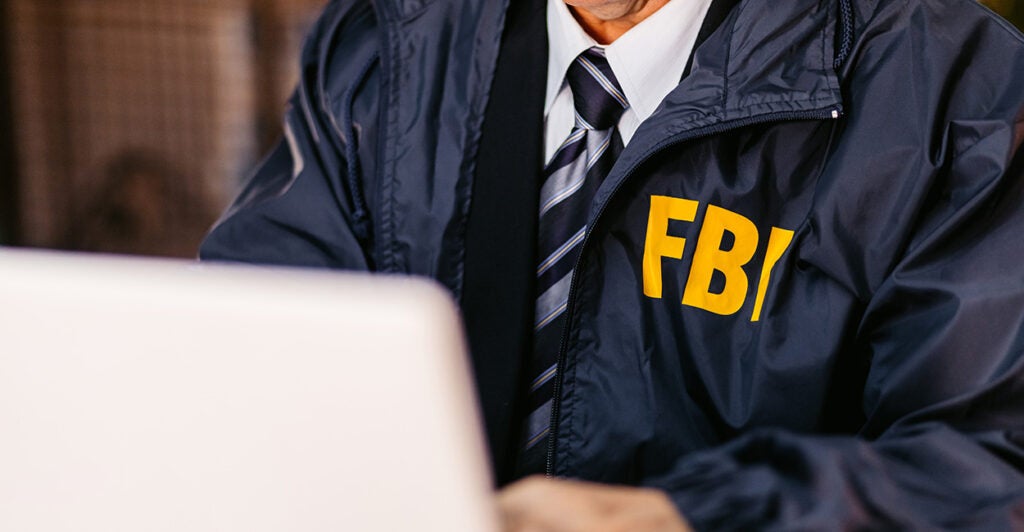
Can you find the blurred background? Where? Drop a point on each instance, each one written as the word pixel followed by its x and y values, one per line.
pixel 126 126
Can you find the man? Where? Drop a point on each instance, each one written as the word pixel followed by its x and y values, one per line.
pixel 784 292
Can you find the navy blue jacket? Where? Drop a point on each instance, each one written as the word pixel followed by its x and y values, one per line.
pixel 800 303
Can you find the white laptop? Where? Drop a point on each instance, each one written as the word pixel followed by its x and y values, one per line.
pixel 141 395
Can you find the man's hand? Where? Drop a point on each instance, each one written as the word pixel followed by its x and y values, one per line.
pixel 542 505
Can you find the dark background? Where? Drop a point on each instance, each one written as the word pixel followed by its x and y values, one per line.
pixel 127 125
pixel 8 165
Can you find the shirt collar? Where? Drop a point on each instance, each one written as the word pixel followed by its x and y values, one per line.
pixel 566 41
pixel 648 60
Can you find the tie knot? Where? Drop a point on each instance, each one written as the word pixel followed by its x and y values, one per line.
pixel 596 94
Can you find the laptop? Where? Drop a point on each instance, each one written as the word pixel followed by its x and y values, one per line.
pixel 145 395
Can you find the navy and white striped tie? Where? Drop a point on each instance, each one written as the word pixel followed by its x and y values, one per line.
pixel 572 178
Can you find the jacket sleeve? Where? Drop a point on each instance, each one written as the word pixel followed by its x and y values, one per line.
pixel 943 445
pixel 305 205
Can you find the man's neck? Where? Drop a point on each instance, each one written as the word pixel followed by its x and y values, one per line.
pixel 608 20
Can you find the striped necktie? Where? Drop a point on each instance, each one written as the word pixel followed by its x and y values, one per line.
pixel 571 179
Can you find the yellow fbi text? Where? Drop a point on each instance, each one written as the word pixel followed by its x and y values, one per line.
pixel 709 256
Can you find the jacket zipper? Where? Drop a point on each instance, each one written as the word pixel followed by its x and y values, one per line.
pixel 829 113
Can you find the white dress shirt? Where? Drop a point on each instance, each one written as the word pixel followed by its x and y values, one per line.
pixel 648 62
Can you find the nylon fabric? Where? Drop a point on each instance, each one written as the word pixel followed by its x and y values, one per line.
pixel 882 385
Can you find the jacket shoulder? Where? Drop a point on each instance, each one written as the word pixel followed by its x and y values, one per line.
pixel 351 35
pixel 955 55
pixel 934 17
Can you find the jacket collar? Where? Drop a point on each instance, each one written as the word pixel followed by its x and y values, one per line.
pixel 763 63
pixel 763 59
